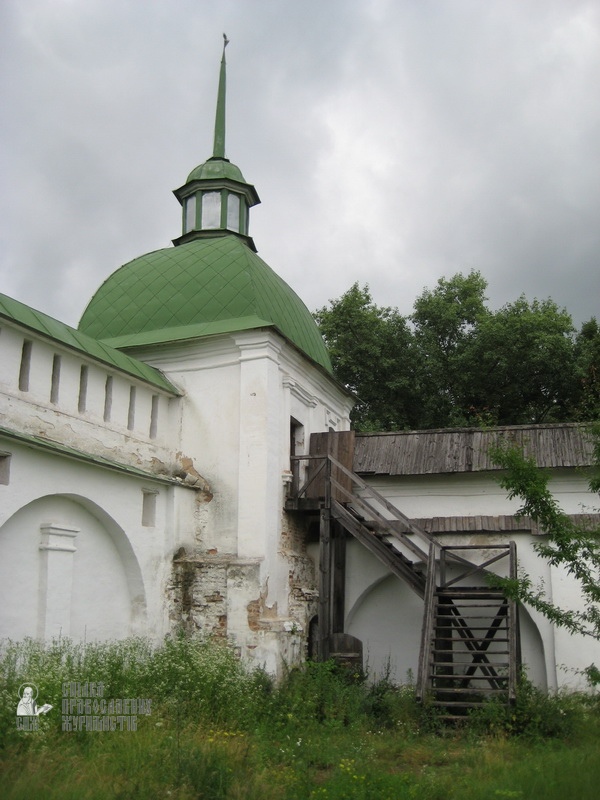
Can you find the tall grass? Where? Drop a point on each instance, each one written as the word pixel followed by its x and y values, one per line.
pixel 218 730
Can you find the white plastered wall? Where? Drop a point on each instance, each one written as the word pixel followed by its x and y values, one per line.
pixel 81 421
pixel 240 393
pixel 386 615
pixel 75 558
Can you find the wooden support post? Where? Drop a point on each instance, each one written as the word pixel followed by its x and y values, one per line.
pixel 324 584
pixel 443 630
pixel 442 567
pixel 424 682
pixel 514 633
pixel 339 578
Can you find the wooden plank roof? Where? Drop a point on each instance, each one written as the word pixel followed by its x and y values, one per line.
pixel 460 450
pixel 499 524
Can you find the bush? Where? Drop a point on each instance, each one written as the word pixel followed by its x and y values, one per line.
pixel 194 681
pixel 189 678
pixel 534 715
pixel 322 693
pixel 200 679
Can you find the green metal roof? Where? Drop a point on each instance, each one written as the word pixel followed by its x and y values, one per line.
pixel 77 340
pixel 201 288
pixel 216 169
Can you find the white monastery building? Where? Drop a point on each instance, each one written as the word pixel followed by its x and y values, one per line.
pixel 152 480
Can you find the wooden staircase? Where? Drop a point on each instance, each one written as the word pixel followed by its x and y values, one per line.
pixel 470 643
pixel 383 541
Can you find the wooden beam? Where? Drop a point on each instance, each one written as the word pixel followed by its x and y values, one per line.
pixel 339 578
pixel 324 583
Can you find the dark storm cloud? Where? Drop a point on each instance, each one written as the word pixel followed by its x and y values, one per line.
pixel 391 142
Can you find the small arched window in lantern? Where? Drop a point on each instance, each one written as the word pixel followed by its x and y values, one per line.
pixel 211 210
pixel 233 212
pixel 190 213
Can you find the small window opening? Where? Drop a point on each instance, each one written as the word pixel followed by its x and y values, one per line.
pixel 297 438
pixel 108 396
pixel 149 508
pixel 190 213
pixel 233 212
pixel 4 469
pixel 83 386
pixel 211 210
pixel 154 417
pixel 25 366
pixel 131 410
pixel 55 383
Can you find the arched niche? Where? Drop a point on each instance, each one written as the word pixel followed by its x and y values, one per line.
pixel 387 618
pixel 68 569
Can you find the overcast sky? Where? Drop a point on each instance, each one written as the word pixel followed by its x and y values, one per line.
pixel 392 142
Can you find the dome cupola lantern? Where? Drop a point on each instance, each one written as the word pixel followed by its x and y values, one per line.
pixel 215 199
pixel 212 283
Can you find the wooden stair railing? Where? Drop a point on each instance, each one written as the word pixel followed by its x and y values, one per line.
pixel 470 641
pixel 378 543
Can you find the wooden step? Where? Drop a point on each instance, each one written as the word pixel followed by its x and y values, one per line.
pixel 468 662
pixel 452 690
pixel 462 609
pixel 468 644
pixel 469 678
pixel 456 703
pixel 458 620
pixel 469 593
pixel 465 634
pixel 459 681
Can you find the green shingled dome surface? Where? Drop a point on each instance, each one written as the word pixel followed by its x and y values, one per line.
pixel 216 168
pixel 200 288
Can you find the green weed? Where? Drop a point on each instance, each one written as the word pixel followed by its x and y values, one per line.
pixel 218 730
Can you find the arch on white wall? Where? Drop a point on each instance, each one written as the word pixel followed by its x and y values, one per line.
pixel 387 617
pixel 364 594
pixel 123 545
pixel 67 568
pixel 534 658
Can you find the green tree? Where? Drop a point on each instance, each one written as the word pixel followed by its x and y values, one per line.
pixel 446 320
pixel 455 362
pixel 586 398
pixel 520 364
pixel 372 352
pixel 565 545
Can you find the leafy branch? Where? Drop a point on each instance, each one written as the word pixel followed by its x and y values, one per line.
pixel 566 545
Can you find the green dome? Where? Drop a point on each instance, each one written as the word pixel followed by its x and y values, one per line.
pixel 201 288
pixel 216 169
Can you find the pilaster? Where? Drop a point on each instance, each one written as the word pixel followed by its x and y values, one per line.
pixel 57 551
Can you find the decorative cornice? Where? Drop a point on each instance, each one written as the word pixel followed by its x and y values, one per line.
pixel 58 537
pixel 299 392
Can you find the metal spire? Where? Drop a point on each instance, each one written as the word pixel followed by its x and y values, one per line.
pixel 219 145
